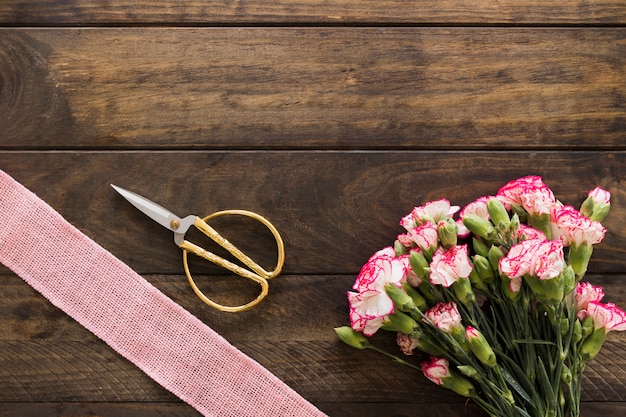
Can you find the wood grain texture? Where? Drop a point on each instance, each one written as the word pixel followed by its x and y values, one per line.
pixel 333 409
pixel 83 12
pixel 333 119
pixel 290 335
pixel 334 209
pixel 313 88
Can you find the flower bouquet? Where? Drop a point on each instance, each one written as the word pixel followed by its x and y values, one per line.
pixel 494 298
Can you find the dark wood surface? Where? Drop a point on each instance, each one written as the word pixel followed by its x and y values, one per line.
pixel 333 119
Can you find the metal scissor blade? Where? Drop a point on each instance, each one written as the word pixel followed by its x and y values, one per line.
pixel 161 215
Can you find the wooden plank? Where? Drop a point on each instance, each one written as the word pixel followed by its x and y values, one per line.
pixel 90 409
pixel 313 88
pixel 334 209
pixel 298 308
pixel 289 334
pixel 332 409
pixel 29 12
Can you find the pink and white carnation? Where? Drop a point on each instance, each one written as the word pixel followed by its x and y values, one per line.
pixel 425 236
pixel 433 211
pixel 407 343
pixel 584 293
pixel 525 232
pixel 600 196
pixel 518 260
pixel 449 265
pixel 436 369
pixel 607 316
pixel 573 228
pixel 528 192
pixel 370 305
pixel 445 316
pixel 476 208
pixel 543 259
pixel 549 260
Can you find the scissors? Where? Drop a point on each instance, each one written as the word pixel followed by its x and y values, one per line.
pixel 180 226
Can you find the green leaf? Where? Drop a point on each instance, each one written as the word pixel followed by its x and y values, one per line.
pixel 514 384
pixel 522 412
pixel 534 342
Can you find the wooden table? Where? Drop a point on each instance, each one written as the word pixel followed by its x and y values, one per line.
pixel 333 119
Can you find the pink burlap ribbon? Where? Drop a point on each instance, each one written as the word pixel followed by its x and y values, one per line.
pixel 138 321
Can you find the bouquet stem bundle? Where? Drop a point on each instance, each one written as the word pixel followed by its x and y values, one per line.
pixel 495 298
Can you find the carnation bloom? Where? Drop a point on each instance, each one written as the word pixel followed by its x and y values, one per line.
pixel 449 265
pixel 479 346
pixel 407 343
pixel 424 236
pixel 540 258
pixel 432 211
pixel 597 204
pixel 549 261
pixel 525 232
pixel 607 316
pixel 575 229
pixel 445 316
pixel 600 196
pixel 475 208
pixel 528 192
pixel 370 304
pixel 584 293
pixel 436 369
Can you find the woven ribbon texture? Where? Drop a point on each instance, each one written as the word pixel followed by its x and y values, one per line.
pixel 138 321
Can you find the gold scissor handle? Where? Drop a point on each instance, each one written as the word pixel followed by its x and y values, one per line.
pixel 256 274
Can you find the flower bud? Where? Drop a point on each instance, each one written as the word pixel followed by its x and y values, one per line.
pixel 566 375
pixel 419 264
pixel 494 256
pixel 480 347
pixel 497 213
pixel 564 326
pixel 597 205
pixel 477 281
pixel 469 371
pixel 484 269
pixel 459 385
pixel 418 299
pixel 447 231
pixel 399 248
pixel 592 345
pixel 463 290
pixel 515 223
pixel 577 332
pixel 401 299
pixel 399 322
pixel 479 226
pixel 480 247
pixel 587 327
pixel 578 258
pixel 351 337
